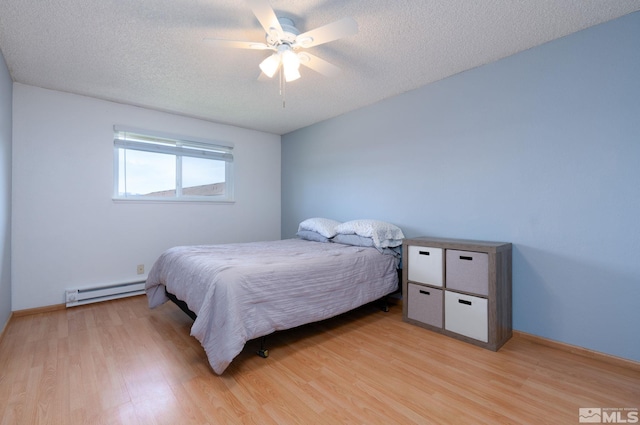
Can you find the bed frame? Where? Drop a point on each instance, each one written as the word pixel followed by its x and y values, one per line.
pixel 183 305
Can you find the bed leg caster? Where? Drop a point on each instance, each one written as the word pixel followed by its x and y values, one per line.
pixel 384 305
pixel 263 352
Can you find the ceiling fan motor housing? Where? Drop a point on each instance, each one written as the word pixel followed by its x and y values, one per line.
pixel 289 33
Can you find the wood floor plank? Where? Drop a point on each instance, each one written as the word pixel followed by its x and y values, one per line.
pixel 119 362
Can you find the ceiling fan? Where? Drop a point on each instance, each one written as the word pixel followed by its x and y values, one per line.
pixel 286 42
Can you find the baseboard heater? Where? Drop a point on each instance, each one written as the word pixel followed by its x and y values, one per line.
pixel 82 296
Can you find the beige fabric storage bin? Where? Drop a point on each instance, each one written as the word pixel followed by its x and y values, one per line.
pixel 425 304
pixel 467 271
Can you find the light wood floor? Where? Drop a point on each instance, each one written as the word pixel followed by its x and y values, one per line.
pixel 120 363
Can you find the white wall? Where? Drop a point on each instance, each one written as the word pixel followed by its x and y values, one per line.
pixel 6 89
pixel 67 231
pixel 541 149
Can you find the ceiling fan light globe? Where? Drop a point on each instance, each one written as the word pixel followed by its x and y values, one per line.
pixel 270 65
pixel 290 60
pixel 291 74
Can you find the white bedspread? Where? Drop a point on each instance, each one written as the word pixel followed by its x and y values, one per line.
pixel 244 291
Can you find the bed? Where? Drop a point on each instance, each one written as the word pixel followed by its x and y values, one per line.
pixel 240 292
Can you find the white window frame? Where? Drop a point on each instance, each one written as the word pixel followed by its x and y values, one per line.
pixel 129 138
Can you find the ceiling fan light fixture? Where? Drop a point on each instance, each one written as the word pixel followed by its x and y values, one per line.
pixel 291 74
pixel 291 64
pixel 270 65
pixel 290 59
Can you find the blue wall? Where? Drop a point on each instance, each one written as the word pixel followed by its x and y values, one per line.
pixel 541 149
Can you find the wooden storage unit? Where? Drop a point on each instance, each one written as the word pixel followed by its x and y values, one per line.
pixel 460 288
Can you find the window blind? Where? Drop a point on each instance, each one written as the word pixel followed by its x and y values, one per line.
pixel 126 139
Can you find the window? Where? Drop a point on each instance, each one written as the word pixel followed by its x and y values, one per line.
pixel 156 167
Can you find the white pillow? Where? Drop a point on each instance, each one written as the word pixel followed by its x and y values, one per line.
pixel 325 226
pixel 384 235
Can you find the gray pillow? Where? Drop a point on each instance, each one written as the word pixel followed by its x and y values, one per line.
pixel 355 240
pixel 310 235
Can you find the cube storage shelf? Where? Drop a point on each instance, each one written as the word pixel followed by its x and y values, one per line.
pixel 460 288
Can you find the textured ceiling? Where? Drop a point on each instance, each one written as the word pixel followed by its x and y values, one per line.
pixel 150 52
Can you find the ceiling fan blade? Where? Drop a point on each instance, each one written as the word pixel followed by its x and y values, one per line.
pixel 236 44
pixel 267 17
pixel 319 65
pixel 324 34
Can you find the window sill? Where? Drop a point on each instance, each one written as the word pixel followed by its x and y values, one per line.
pixel 188 200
